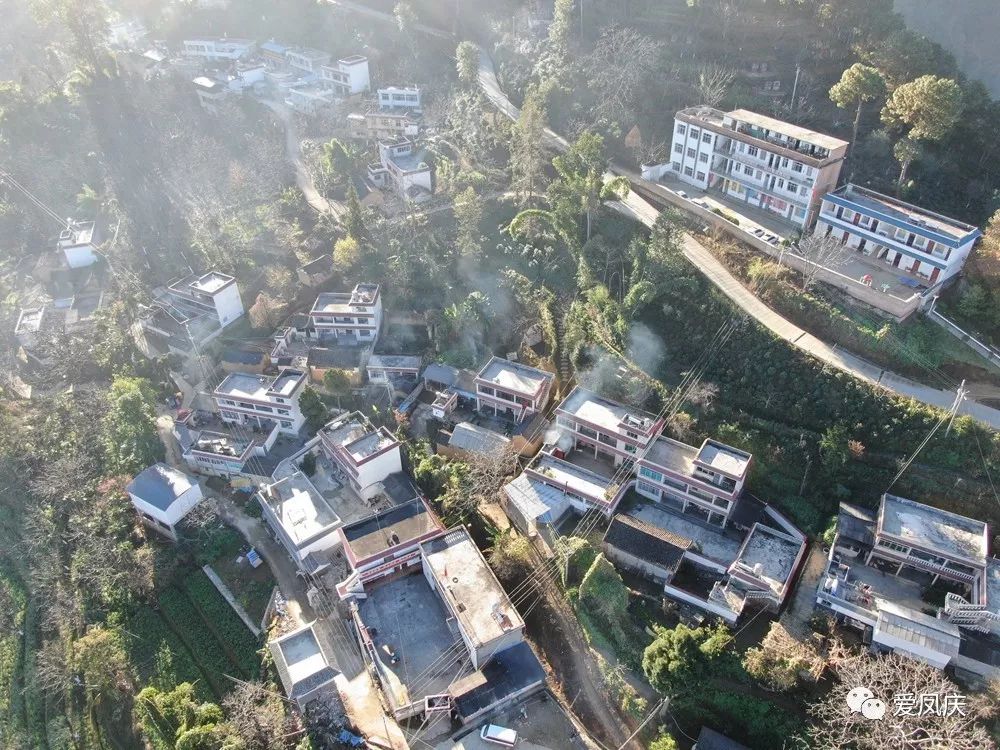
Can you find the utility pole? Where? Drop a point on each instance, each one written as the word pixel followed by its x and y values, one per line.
pixel 959 398
pixel 795 86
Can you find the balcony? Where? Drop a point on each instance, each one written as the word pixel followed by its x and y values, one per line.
pixel 887 241
pixel 783 172
pixel 749 185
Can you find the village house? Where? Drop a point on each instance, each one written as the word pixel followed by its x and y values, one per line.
pixel 408 623
pixel 195 309
pixel 399 97
pixel 223 449
pixel 511 390
pixel 210 93
pixel 306 59
pixel 316 271
pixel 348 318
pixel 248 361
pixel 703 482
pixel 605 429
pixel 912 240
pixel 378 125
pixel 364 454
pixel 402 167
pixel 400 371
pixel 348 76
pixel 884 563
pixel 162 496
pixel 78 243
pixel 215 49
pixel 302 520
pixel 261 400
pixel 304 660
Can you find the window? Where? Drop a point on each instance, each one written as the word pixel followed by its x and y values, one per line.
pixel 893 546
pixel 796 166
pixel 691 153
pixel 647 489
pixel 784 161
pixel 701 175
pixel 676 166
pixel 703 157
pixel 675 484
pixel 792 187
pixel 678 148
pixel 688 171
pixel 757 175
pixel 681 128
pixel 706 137
pixel 647 472
pixel 753 150
pixel 695 133
pixel 586 431
pixel 630 449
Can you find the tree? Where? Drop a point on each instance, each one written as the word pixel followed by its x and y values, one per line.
pixel 906 152
pixel 579 191
pixel 99 657
pixel 896 681
pixel 683 656
pixel 987 257
pixel 312 408
pixel 346 253
pixel 834 447
pixel 468 217
pixel 527 153
pixel 928 107
pixel 779 660
pixel 467 62
pixel 664 742
pixel 602 590
pixel 618 69
pixel 266 312
pixel 713 83
pixel 131 442
pixel 354 218
pixel 337 383
pixel 257 716
pixel 858 84
pixel 821 252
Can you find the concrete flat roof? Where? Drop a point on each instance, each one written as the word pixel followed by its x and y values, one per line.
pixel 932 528
pixel 671 454
pixel 259 387
pixel 571 477
pixel 513 376
pixel 724 459
pixel 773 551
pixel 299 507
pixel 787 129
pixel 605 413
pixel 395 527
pixel 484 609
pixel 905 212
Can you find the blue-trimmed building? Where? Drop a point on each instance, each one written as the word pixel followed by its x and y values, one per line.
pixel 915 241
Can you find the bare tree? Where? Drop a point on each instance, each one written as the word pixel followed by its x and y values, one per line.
pixel 266 311
pixel 821 252
pixel 258 716
pixel 713 83
pixel 622 61
pixel 895 681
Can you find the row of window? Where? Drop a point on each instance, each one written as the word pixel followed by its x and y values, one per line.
pixel 695 133
pixel 693 492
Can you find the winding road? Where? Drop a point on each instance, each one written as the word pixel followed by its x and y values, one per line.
pixel 293 149
pixel 642 210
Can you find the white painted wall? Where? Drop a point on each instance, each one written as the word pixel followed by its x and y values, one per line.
pixel 177 510
pixel 228 304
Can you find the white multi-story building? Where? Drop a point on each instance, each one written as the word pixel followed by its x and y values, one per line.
pixel 703 482
pixel 402 167
pixel 399 97
pixel 210 92
pixel 348 76
pixel 604 428
pixel 512 390
pixel 769 164
pixel 259 400
pixel 78 243
pixel 302 519
pixel 219 48
pixel 307 59
pixel 215 294
pixel 365 454
pixel 353 317
pixel 901 235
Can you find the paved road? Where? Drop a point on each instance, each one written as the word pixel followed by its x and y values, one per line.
pixel 302 177
pixel 641 210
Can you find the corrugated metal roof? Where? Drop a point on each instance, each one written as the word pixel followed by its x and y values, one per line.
pixel 160 485
pixel 469 437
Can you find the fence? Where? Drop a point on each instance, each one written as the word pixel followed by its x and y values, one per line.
pixel 987 352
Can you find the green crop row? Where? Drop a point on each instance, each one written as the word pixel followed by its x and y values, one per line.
pixel 231 630
pixel 209 653
pixel 160 657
